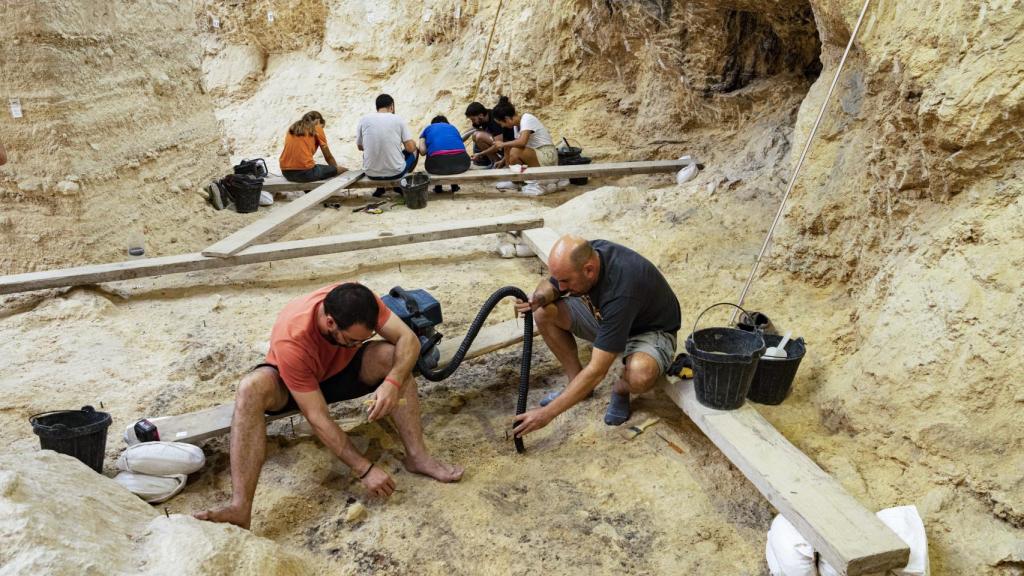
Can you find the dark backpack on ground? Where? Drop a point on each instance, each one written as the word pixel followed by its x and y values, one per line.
pixel 255 167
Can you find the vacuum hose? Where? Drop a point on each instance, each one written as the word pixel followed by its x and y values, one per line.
pixel 474 329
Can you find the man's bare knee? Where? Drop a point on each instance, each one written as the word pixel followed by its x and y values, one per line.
pixel 260 390
pixel 483 140
pixel 641 372
pixel 378 359
pixel 554 315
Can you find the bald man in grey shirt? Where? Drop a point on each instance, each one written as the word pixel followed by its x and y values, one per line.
pixel 607 294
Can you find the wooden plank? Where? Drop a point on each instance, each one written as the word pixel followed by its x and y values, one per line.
pixel 278 184
pixel 265 253
pixel 280 216
pixel 850 537
pixel 198 426
pixel 541 241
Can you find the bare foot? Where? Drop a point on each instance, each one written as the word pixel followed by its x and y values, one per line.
pixel 439 471
pixel 228 514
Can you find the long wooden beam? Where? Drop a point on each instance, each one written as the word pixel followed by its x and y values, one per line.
pixel 280 216
pixel 198 426
pixel 268 252
pixel 851 538
pixel 278 184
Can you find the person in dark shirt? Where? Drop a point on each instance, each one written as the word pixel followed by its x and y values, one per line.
pixel 487 137
pixel 610 295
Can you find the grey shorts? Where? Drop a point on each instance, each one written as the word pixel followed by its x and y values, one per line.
pixel 658 345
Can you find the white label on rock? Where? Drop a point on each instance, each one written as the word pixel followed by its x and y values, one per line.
pixel 15 107
pixel 215 22
pixel 270 16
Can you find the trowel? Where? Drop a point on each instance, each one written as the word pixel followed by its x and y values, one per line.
pixel 778 352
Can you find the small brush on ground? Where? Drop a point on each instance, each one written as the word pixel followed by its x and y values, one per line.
pixel 638 429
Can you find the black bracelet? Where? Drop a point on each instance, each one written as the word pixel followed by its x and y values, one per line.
pixel 368 468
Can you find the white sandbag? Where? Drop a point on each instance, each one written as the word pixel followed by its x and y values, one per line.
pixel 524 251
pixel 152 489
pixel 507 250
pixel 787 552
pixel 161 458
pixel 686 173
pixel 907 524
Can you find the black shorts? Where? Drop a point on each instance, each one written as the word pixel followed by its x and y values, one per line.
pixel 344 385
pixel 447 164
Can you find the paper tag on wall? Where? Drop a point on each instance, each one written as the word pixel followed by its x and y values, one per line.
pixel 270 16
pixel 15 107
pixel 215 22
pixel 458 12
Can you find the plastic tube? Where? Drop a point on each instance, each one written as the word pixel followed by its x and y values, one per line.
pixel 474 329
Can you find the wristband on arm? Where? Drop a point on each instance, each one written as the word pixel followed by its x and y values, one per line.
pixel 368 468
pixel 393 382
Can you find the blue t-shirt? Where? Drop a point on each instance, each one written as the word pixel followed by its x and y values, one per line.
pixel 442 137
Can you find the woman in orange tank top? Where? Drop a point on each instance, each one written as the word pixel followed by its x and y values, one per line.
pixel 300 144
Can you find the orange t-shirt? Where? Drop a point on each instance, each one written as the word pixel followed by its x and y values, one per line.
pixel 298 150
pixel 303 357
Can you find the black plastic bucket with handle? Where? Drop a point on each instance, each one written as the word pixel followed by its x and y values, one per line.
pixel 773 378
pixel 79 433
pixel 724 361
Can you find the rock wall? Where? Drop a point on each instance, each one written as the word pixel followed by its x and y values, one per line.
pixel 116 136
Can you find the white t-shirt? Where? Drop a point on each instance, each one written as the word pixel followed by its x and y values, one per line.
pixel 539 135
pixel 381 135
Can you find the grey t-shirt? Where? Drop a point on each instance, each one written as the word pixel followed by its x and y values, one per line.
pixel 630 297
pixel 382 135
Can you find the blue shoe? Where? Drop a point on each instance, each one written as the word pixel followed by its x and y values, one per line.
pixel 618 409
pixel 550 397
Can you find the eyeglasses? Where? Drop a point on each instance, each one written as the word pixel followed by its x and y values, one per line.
pixel 344 342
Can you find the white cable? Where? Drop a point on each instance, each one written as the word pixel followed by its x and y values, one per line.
pixel 800 162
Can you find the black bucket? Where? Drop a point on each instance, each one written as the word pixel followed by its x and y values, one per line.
pixel 414 189
pixel 79 433
pixel 773 378
pixel 724 361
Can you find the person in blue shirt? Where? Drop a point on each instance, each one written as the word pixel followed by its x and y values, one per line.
pixel 444 149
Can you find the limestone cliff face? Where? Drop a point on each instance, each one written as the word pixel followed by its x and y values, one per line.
pixel 116 135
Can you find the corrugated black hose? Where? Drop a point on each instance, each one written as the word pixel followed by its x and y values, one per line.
pixel 474 329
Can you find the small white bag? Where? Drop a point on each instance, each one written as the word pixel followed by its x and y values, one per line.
pixel 152 489
pixel 686 173
pixel 787 552
pixel 161 458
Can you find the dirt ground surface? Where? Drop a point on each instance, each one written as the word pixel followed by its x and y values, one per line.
pixel 898 260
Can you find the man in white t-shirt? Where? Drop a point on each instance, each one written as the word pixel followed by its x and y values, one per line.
pixel 387 144
pixel 532 146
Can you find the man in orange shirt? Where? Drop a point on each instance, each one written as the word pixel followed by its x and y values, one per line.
pixel 320 353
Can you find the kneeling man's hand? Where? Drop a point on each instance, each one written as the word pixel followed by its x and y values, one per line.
pixel 384 401
pixel 378 483
pixel 530 421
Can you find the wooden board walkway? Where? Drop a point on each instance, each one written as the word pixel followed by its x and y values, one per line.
pixel 279 184
pixel 265 253
pixel 849 536
pixel 198 426
pixel 280 216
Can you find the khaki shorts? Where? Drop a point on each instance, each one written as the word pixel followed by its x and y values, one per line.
pixel 547 155
pixel 658 345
